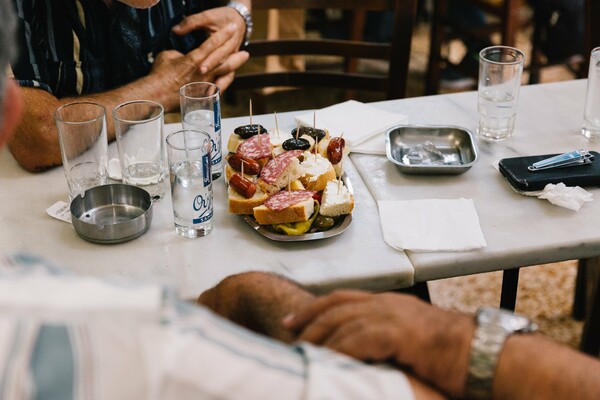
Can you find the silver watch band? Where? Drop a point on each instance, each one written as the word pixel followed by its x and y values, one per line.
pixel 246 15
pixel 494 326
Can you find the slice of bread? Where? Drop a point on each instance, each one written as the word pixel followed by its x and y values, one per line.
pixel 238 204
pixel 316 172
pixel 334 202
pixel 298 212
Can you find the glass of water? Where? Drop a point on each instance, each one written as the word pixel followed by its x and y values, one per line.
pixel 83 145
pixel 500 71
pixel 591 116
pixel 201 109
pixel 139 133
pixel 189 154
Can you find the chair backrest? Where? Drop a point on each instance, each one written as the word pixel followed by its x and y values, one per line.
pixel 397 52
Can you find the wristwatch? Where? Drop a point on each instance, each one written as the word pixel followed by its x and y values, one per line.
pixel 494 326
pixel 245 13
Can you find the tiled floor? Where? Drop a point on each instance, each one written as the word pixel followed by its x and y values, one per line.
pixel 545 292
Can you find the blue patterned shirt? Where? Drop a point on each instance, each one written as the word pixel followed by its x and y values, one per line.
pixel 75 47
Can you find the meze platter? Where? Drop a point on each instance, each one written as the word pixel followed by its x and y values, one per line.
pixel 289 186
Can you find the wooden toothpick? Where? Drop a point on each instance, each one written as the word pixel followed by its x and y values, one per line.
pixel 276 124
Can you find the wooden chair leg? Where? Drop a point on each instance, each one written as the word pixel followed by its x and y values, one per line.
pixel 432 80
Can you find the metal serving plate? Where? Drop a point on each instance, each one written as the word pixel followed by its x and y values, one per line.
pixel 456 143
pixel 341 224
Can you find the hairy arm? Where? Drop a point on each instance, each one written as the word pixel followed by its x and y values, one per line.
pixel 435 345
pixel 259 301
pixel 35 145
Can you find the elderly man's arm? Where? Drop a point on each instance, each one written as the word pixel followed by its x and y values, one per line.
pixel 35 145
pixel 435 345
pixel 259 301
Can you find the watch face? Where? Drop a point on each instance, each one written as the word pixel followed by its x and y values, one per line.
pixel 504 319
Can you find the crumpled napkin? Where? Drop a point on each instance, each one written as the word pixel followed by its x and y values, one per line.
pixel 363 126
pixel 431 225
pixel 571 197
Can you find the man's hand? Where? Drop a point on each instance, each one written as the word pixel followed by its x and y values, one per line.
pixel 380 327
pixel 220 58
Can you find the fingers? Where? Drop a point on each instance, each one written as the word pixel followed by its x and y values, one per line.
pixel 231 64
pixel 304 316
pixel 192 23
pixel 214 50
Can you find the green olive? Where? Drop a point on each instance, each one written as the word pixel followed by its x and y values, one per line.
pixel 323 223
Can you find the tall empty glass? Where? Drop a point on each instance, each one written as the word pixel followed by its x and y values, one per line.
pixel 139 133
pixel 500 71
pixel 591 116
pixel 201 109
pixel 83 145
pixel 191 182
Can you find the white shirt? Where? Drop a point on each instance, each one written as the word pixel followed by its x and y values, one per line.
pixel 66 337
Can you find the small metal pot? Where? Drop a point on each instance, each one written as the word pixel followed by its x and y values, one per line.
pixel 112 213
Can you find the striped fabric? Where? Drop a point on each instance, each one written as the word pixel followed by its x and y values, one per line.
pixel 74 47
pixel 181 352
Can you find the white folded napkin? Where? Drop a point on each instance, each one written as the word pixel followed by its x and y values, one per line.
pixel 571 197
pixel 358 122
pixel 431 225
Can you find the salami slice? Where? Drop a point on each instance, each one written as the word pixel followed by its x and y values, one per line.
pixel 275 167
pixel 258 146
pixel 287 198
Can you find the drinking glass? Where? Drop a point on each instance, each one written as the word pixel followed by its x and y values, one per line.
pixel 191 182
pixel 201 109
pixel 591 116
pixel 139 133
pixel 83 145
pixel 500 71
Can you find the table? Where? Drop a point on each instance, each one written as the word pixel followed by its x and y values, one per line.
pixel 358 258
pixel 519 230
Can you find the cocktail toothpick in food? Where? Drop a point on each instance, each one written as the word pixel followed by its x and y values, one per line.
pixel 314 120
pixel 341 174
pixel 297 130
pixel 289 181
pixel 276 124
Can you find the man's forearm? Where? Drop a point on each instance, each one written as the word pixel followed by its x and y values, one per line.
pixel 35 145
pixel 533 367
pixel 258 301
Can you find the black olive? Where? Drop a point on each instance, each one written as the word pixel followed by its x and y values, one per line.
pixel 317 134
pixel 323 223
pixel 247 131
pixel 296 144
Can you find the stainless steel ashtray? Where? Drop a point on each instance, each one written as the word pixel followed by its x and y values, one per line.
pixel 112 213
pixel 456 146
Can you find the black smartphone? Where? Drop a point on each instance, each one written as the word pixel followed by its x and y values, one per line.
pixel 521 178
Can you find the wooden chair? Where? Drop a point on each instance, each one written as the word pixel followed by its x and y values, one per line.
pixel 391 84
pixel 575 63
pixel 505 18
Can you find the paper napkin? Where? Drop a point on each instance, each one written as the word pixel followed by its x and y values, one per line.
pixel 571 197
pixel 431 225
pixel 358 122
